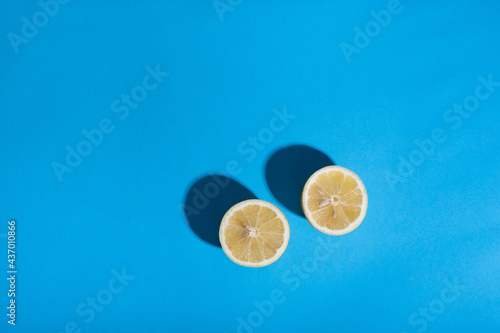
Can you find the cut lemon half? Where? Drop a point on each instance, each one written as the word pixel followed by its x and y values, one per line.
pixel 334 200
pixel 254 233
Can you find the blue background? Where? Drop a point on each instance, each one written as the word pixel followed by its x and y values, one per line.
pixel 120 208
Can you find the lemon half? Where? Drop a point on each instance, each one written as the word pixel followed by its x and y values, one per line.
pixel 334 200
pixel 254 233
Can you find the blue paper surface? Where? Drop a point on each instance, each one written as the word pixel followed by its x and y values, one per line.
pixel 119 121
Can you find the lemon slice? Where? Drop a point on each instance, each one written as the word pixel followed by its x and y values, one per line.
pixel 254 233
pixel 334 200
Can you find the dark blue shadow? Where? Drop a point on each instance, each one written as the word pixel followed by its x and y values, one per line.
pixel 207 200
pixel 287 171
